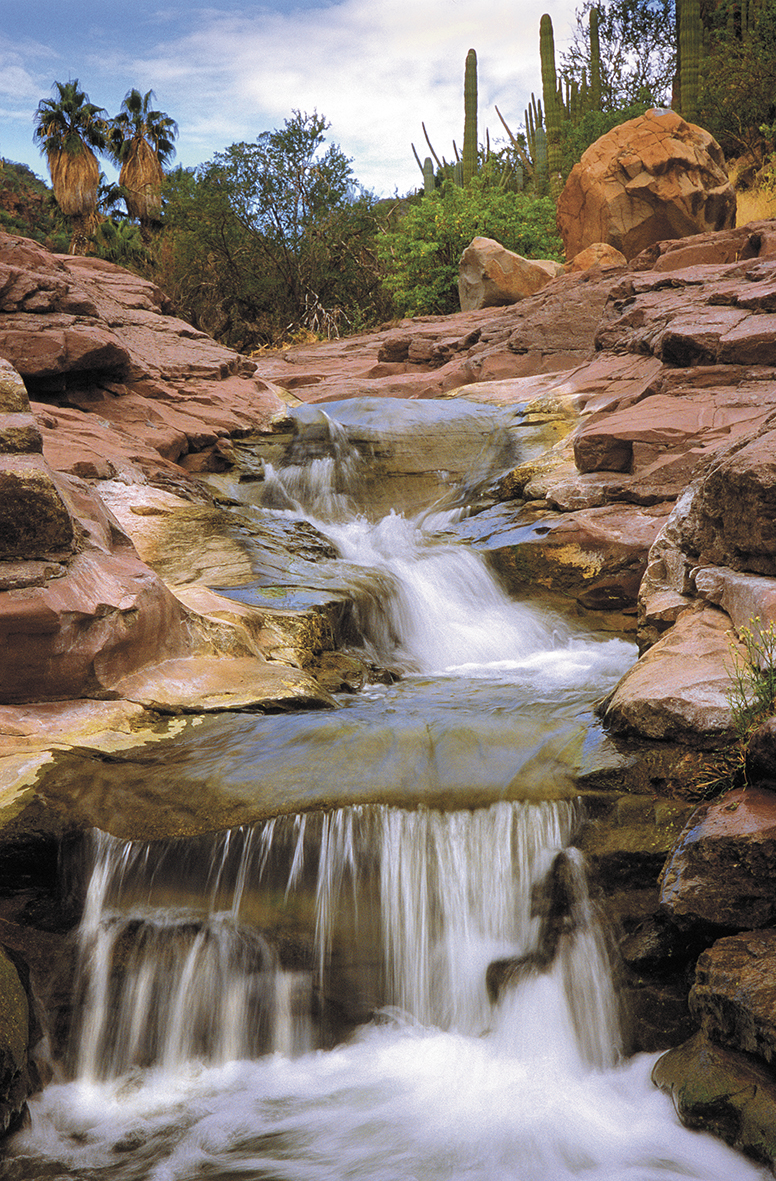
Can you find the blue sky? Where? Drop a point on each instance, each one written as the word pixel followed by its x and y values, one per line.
pixel 228 71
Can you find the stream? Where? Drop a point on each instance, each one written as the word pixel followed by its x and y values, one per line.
pixel 398 974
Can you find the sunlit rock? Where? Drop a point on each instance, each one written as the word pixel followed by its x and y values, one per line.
pixel 722 871
pixel 491 276
pixel 651 178
pixel 679 690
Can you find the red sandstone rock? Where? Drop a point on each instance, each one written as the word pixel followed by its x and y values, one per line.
pixel 599 254
pixel 651 178
pixel 678 691
pixel 723 869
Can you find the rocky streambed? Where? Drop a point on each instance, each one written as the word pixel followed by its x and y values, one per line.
pixel 606 446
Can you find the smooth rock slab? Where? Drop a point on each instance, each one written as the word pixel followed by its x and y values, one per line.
pixel 206 684
pixel 678 690
pixel 722 870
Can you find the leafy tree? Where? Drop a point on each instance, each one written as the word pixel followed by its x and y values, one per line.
pixel 271 237
pixel 420 256
pixel 142 141
pixel 67 127
pixel 637 51
pixel 738 77
pixel 283 190
pixel 28 208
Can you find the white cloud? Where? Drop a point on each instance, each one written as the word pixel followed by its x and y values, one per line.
pixel 375 68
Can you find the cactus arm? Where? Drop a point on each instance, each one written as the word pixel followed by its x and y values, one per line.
pixel 431 146
pixel 526 163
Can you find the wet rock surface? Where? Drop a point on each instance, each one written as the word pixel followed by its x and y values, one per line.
pixel 721 873
pixel 724 1092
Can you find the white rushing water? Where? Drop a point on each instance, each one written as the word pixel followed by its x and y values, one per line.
pixel 307 999
pixel 425 603
pixel 441 1083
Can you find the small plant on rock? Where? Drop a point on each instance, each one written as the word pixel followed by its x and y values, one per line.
pixel 752 697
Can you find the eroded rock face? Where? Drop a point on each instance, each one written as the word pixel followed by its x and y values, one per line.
pixel 14 1038
pixel 651 178
pixel 734 995
pixel 724 1092
pixel 490 276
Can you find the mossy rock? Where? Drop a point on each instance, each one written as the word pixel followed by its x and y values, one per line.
pixel 14 1038
pixel 725 1092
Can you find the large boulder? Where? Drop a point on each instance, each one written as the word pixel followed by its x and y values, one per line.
pixel 491 276
pixel 679 690
pixel 734 995
pixel 651 178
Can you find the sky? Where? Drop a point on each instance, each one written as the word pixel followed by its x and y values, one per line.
pixel 228 71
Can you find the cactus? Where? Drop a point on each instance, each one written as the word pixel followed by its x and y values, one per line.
pixel 552 105
pixel 470 117
pixel 541 169
pixel 525 163
pixel 431 147
pixel 595 62
pixel 690 38
pixel 458 173
pixel 429 184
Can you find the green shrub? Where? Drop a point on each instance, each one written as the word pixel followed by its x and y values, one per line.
pixel 420 256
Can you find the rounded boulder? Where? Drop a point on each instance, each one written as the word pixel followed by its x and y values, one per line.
pixel 653 178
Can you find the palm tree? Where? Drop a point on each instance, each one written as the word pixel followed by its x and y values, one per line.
pixel 141 141
pixel 67 127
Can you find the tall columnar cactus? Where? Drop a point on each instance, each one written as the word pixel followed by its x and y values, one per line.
pixel 429 183
pixel 552 106
pixel 595 62
pixel 688 15
pixel 470 117
pixel 541 169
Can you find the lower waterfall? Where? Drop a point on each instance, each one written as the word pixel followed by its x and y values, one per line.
pixel 307 999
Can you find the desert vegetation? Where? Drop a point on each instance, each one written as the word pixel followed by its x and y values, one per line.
pixel 276 237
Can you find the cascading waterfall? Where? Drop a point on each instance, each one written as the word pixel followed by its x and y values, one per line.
pixel 424 603
pixel 442 894
pixel 443 1082
pixel 371 992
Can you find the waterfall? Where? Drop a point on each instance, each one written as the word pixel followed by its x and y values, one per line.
pixel 430 897
pixel 423 602
pixel 373 992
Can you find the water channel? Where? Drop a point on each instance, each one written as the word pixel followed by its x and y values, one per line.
pixel 405 979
